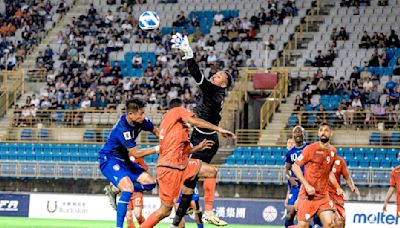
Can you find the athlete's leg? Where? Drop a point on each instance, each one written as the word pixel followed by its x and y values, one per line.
pixel 327 219
pixel 129 219
pixel 290 214
pixel 126 187
pixel 138 207
pixel 157 216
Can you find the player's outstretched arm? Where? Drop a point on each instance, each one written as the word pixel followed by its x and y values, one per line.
pixel 352 186
pixel 299 174
pixel 204 145
pixel 388 196
pixel 200 123
pixel 135 152
pixel 333 180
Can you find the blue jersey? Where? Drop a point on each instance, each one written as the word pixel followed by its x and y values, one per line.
pixel 122 137
pixel 291 157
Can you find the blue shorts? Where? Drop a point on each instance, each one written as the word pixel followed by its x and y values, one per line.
pixel 115 170
pixel 293 194
pixel 195 196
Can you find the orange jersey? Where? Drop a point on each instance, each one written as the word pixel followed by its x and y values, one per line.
pixel 318 163
pixel 174 139
pixel 395 182
pixel 339 169
pixel 141 162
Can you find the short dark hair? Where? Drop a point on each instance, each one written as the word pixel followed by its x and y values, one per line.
pixel 134 105
pixel 229 79
pixel 325 124
pixel 176 102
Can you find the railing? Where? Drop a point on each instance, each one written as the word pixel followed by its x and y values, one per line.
pixel 226 174
pixel 298 35
pixel 37 75
pixel 76 118
pixel 340 138
pixel 11 87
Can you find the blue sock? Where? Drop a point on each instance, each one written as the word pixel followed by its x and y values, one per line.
pixel 122 207
pixel 200 225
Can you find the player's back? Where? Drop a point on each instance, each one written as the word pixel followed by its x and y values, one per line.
pixel 174 139
pixel 122 137
pixel 318 164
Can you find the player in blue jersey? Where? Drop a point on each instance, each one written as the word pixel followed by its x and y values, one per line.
pixel 114 156
pixel 293 183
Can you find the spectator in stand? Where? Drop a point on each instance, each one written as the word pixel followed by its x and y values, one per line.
pixel 137 61
pixel 365 74
pixel 368 85
pixel 393 40
pixel 342 34
pixel 318 59
pixel 383 2
pixel 390 86
pixel 251 64
pixel 365 41
pixel 298 103
pixel 331 87
pixel 218 19
pixel 396 71
pixel 270 43
pixel 356 103
pixel 210 44
pixel 341 87
pixel 340 115
pixel 262 16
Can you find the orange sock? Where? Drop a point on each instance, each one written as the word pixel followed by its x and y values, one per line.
pixel 209 191
pixel 150 222
pixel 131 225
pixel 141 220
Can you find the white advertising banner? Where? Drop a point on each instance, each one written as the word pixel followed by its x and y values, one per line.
pixel 81 207
pixel 371 215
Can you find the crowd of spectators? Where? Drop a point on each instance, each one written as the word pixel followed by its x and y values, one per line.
pixel 29 17
pixel 380 40
pixel 246 29
pixel 365 102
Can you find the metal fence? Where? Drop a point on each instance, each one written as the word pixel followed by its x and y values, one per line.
pixel 226 174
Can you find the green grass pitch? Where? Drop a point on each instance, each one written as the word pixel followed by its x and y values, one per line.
pixel 17 222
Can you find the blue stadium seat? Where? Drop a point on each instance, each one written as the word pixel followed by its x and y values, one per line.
pixel 250 160
pixel 374 163
pixel 26 134
pixel 364 163
pixel 89 135
pixel 260 161
pixel 47 171
pixel 240 160
pixel 360 178
pixel 43 134
pixel 247 151
pixel 230 160
pixel 75 156
pixel 249 176
pixel 8 170
pixel 270 162
pixel 57 156
pixel 227 175
pixel 386 164
pixel 381 178
pixel 392 153
pixel 66 171
pixel 270 176
pixel 85 171
pixel 28 170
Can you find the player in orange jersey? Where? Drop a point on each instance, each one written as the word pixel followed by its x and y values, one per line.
pixel 394 186
pixel 340 169
pixel 318 159
pixel 174 168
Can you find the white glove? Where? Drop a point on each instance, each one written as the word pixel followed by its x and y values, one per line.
pixel 182 43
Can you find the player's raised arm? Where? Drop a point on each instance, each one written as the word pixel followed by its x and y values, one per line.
pixel 182 44
pixel 333 180
pixel 200 123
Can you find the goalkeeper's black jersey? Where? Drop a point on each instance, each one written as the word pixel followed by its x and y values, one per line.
pixel 211 98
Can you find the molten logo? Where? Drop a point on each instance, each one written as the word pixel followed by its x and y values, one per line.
pixel 378 218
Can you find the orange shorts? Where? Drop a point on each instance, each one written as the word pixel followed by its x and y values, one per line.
pixel 170 180
pixel 340 210
pixel 136 200
pixel 307 209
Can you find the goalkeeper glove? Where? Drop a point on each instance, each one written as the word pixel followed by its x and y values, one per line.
pixel 182 43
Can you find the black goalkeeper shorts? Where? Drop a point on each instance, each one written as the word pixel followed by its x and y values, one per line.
pixel 208 154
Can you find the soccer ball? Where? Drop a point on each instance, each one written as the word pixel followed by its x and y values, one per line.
pixel 149 20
